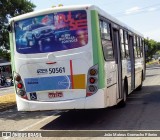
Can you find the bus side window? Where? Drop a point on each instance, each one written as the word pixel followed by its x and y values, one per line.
pixel 105 29
pixel 138 48
pixel 141 47
pixel 135 46
pixel 126 44
pixel 101 26
pixel 122 44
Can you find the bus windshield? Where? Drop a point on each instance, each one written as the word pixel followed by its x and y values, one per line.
pixel 51 32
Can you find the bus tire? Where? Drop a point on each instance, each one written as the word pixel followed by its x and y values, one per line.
pixel 140 86
pixel 122 103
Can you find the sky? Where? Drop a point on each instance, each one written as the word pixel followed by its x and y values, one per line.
pixel 141 15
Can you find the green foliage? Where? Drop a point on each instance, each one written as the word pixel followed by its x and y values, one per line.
pixel 153 47
pixel 158 46
pixel 8 9
pixel 5 54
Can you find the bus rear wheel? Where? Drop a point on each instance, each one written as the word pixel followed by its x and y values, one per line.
pixel 140 86
pixel 122 103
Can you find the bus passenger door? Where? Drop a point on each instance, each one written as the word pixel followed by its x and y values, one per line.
pixel 116 42
pixel 131 50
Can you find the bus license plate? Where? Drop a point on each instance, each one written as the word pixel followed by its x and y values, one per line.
pixel 55 94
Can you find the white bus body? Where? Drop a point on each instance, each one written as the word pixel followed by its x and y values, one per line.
pixel 58 60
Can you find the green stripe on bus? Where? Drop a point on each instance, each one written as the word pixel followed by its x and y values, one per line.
pixel 97 48
pixel 12 51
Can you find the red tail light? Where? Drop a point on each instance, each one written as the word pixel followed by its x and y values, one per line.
pixel 92 85
pixel 20 85
pixel 25 97
pixel 89 94
pixel 92 80
pixel 20 89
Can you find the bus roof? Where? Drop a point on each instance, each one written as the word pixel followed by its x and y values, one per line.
pixel 113 19
pixel 75 7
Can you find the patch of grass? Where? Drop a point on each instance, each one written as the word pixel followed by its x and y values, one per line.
pixel 152 62
pixel 7 101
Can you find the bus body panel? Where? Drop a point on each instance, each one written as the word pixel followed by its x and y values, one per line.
pixel 68 77
pixel 94 101
pixel 97 49
pixel 138 71
pixel 111 83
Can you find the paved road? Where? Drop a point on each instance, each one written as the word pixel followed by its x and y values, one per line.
pixel 141 113
pixel 6 90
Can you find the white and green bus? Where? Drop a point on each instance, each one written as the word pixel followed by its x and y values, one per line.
pixel 74 57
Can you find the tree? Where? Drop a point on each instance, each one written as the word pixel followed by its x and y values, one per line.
pixel 8 9
pixel 153 47
pixel 4 54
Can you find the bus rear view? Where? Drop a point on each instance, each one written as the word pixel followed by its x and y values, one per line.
pixel 74 57
pixel 52 60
